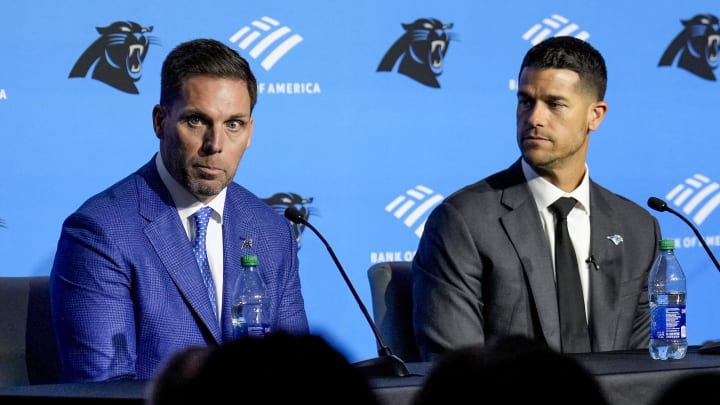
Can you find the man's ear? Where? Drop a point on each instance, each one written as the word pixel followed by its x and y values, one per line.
pixel 158 117
pixel 251 126
pixel 597 113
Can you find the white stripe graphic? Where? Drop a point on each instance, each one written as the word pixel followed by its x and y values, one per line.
pixel 697 194
pixel 414 205
pixel 557 26
pixel 280 51
pixel 422 209
pixel 251 37
pixel 265 43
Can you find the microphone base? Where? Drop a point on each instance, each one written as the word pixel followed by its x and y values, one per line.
pixel 383 366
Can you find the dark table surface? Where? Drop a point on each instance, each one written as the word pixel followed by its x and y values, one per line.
pixel 627 377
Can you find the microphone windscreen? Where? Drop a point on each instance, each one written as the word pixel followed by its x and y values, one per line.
pixel 294 215
pixel 657 204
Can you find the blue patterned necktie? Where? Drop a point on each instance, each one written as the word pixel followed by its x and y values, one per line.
pixel 202 217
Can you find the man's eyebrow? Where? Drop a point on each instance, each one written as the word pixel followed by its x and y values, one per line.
pixel 524 94
pixel 240 116
pixel 192 111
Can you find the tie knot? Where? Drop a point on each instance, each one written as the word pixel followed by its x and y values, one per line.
pixel 562 206
pixel 202 217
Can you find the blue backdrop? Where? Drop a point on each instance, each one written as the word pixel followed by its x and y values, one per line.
pixel 369 151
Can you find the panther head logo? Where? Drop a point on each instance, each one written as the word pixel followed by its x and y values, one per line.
pixel 696 47
pixel 281 201
pixel 117 56
pixel 420 52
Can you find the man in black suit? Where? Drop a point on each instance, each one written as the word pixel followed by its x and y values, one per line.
pixel 484 267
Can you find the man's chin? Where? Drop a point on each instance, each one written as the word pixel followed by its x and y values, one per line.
pixel 205 189
pixel 531 156
pixel 537 160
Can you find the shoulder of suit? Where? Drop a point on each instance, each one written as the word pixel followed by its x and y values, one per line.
pixel 615 200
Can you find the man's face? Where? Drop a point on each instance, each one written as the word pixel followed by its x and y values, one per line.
pixel 555 116
pixel 205 133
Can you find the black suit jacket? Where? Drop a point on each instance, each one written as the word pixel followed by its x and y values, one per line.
pixel 483 269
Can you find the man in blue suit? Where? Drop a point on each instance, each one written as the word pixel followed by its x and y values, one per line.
pixel 126 289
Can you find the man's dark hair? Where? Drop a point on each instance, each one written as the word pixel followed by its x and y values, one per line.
pixel 203 57
pixel 570 53
pixel 278 368
pixel 516 368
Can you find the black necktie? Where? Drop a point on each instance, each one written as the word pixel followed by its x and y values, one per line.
pixel 573 325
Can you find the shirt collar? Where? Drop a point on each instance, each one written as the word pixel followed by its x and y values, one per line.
pixel 545 193
pixel 185 202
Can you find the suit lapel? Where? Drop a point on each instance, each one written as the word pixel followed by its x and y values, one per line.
pixel 606 248
pixel 167 236
pixel 524 229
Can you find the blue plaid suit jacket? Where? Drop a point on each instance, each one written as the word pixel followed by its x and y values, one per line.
pixel 127 293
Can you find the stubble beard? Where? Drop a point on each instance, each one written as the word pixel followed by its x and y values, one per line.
pixel 202 188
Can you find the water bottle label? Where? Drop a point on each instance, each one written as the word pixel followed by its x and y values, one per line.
pixel 250 330
pixel 668 322
pixel 258 330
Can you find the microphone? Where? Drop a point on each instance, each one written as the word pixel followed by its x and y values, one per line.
pixel 591 260
pixel 386 364
pixel 660 205
pixel 709 347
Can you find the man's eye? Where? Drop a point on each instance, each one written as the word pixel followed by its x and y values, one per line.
pixel 235 125
pixel 524 102
pixel 194 121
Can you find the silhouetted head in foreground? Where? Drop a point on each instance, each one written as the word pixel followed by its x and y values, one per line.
pixel 280 368
pixel 515 369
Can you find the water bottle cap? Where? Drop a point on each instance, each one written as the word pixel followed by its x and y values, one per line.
pixel 249 260
pixel 667 244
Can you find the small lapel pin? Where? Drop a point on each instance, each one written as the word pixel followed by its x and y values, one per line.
pixel 247 244
pixel 616 239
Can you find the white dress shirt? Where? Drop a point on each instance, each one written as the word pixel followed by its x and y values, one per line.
pixel 187 204
pixel 545 193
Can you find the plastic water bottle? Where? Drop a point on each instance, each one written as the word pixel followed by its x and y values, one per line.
pixel 666 287
pixel 250 302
